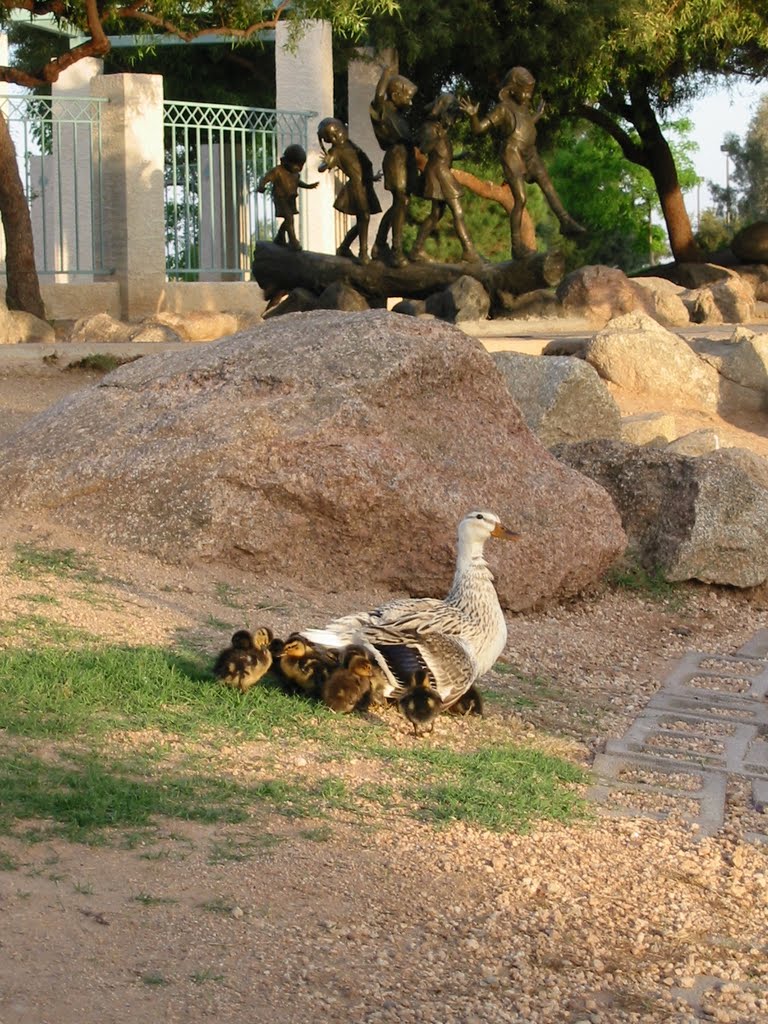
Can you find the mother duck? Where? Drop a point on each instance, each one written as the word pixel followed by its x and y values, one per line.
pixel 456 639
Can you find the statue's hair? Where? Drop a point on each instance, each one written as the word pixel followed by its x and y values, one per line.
pixel 295 154
pixel 328 122
pixel 517 76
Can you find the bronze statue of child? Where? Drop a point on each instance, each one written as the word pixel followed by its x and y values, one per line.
pixel 286 182
pixel 391 102
pixel 520 160
pixel 357 197
pixel 438 182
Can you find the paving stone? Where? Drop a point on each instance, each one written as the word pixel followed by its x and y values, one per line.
pixel 706 723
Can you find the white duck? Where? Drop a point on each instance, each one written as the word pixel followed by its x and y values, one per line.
pixel 456 640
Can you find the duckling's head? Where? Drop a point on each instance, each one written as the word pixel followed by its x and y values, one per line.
pixel 360 666
pixel 295 647
pixel 242 640
pixel 263 637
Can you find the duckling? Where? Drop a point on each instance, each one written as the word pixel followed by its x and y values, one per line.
pixel 305 667
pixel 470 703
pixel 420 703
pixel 246 660
pixel 348 688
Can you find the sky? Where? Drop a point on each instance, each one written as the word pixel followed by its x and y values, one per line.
pixel 715 114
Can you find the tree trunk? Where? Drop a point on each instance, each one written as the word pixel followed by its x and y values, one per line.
pixel 276 267
pixel 23 288
pixel 661 164
pixel 652 152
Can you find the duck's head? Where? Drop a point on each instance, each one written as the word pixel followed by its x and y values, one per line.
pixel 476 527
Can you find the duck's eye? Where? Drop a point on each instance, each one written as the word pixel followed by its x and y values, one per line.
pixel 479 516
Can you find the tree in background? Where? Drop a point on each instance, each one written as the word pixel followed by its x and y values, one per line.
pixel 186 19
pixel 624 65
pixel 745 198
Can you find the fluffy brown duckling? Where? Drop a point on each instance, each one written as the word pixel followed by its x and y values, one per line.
pixel 246 660
pixel 420 703
pixel 304 667
pixel 348 687
pixel 470 703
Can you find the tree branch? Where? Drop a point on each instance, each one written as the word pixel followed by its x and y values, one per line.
pixel 133 12
pixel 631 150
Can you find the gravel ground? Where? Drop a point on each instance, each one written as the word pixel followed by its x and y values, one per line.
pixel 388 919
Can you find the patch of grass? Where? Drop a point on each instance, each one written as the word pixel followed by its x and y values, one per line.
pixel 32 561
pixel 200 977
pixel 88 794
pixel 498 788
pixel 219 905
pixel 153 978
pixel 652 583
pixel 60 692
pixel 39 599
pixel 228 596
pixel 321 834
pixel 153 901
pixel 37 630
pixel 85 888
pixel 7 862
pixel 234 849
pixel 101 362
pixel 80 797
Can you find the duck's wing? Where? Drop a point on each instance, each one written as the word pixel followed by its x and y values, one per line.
pixel 447 659
pixel 418 614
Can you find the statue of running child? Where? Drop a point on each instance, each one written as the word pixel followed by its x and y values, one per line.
pixel 438 183
pixel 520 160
pixel 286 181
pixel 357 197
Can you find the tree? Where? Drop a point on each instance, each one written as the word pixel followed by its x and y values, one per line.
pixel 186 19
pixel 622 64
pixel 746 194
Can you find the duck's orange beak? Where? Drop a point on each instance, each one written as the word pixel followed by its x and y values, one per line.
pixel 503 533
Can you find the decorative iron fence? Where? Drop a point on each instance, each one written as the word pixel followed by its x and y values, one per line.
pixel 215 156
pixel 58 144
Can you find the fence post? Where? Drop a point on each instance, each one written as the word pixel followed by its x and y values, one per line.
pixel 134 207
pixel 304 81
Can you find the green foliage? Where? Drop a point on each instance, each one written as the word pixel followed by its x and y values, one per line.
pixel 745 198
pixel 713 233
pixel 101 362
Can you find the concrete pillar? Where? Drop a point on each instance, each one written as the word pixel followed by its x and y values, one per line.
pixel 133 208
pixel 304 81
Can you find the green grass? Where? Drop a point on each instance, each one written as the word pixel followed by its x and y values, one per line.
pixel 498 788
pixel 652 583
pixel 153 901
pixel 80 696
pixel 32 561
pixel 102 362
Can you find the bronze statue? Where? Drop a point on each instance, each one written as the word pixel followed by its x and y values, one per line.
pixel 357 197
pixel 285 181
pixel 438 183
pixel 520 160
pixel 388 110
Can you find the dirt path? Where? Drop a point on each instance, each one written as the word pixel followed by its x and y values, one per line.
pixel 382 918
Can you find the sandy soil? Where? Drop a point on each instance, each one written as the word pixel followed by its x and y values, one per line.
pixel 385 919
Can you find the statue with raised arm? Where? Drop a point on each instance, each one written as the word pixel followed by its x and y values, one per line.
pixel 514 119
pixel 389 109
